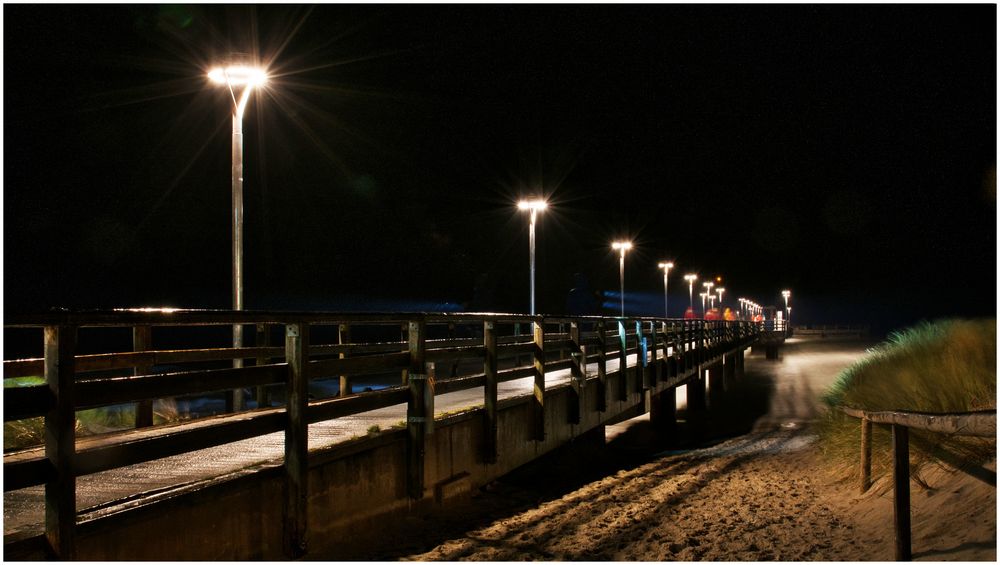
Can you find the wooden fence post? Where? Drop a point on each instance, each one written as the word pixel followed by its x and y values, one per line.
pixel 142 341
pixel 539 404
pixel 490 391
pixel 622 362
pixel 602 367
pixel 296 440
pixel 901 499
pixel 866 454
pixel 263 340
pixel 60 442
pixel 344 337
pixel 416 416
pixel 642 381
pixel 579 374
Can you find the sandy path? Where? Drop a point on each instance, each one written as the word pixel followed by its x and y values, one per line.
pixel 762 496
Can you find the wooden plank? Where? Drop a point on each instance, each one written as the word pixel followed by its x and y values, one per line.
pixel 622 362
pixel 142 340
pixel 60 442
pixel 539 389
pixel 353 366
pixel 263 340
pixel 455 353
pixel 978 424
pixel 117 390
pixel 343 337
pixel 901 494
pixel 296 464
pixel 329 409
pixel 578 372
pixel 490 431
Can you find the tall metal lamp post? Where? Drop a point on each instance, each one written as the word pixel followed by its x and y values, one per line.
pixel 622 247
pixel 666 266
pixel 690 279
pixel 534 206
pixel 235 77
pixel 788 311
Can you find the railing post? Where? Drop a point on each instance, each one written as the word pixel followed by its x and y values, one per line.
pixel 602 367
pixel 60 442
pixel 142 341
pixel 866 454
pixel 296 440
pixel 901 499
pixel 490 391
pixel 642 381
pixel 344 337
pixel 263 340
pixel 416 415
pixel 539 404
pixel 622 362
pixel 578 372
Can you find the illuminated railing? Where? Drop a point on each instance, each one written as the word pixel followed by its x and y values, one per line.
pixel 427 354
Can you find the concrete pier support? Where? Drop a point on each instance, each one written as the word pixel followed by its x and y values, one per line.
pixel 663 412
pixel 716 385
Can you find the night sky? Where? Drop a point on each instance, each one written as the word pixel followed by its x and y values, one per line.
pixel 847 153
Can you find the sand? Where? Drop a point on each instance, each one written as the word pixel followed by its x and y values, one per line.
pixel 764 495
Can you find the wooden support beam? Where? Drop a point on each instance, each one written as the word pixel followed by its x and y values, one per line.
pixel 901 496
pixel 490 392
pixel 296 465
pixel 416 414
pixel 622 362
pixel 60 442
pixel 263 340
pixel 343 337
pixel 539 403
pixel 642 369
pixel 866 454
pixel 602 367
pixel 142 341
pixel 578 375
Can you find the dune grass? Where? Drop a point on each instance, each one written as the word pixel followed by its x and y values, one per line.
pixel 944 366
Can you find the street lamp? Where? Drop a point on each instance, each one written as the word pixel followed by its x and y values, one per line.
pixel 622 247
pixel 666 266
pixel 534 206
pixel 690 279
pixel 234 77
pixel 720 291
pixel 703 296
pixel 708 289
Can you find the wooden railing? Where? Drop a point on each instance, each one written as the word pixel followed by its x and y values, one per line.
pixel 975 424
pixel 316 346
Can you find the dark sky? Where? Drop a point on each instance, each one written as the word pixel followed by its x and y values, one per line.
pixel 846 152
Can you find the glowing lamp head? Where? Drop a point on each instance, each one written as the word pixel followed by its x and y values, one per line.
pixel 621 245
pixel 238 75
pixel 535 205
pixel 786 293
pixel 666 265
pixel 691 278
pixel 720 290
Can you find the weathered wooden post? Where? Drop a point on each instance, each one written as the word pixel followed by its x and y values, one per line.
pixel 901 498
pixel 416 414
pixel 490 392
pixel 296 440
pixel 602 367
pixel 344 338
pixel 263 341
pixel 622 362
pixel 539 403
pixel 578 372
pixel 642 380
pixel 866 454
pixel 142 337
pixel 60 442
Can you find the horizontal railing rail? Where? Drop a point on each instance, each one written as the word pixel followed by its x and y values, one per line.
pixel 479 350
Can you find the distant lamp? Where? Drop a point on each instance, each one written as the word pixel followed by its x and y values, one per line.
pixel 622 247
pixel 690 279
pixel 534 206
pixel 666 266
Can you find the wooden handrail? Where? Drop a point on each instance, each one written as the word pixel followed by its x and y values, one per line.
pixel 981 423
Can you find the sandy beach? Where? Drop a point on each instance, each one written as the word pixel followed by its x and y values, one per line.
pixel 765 494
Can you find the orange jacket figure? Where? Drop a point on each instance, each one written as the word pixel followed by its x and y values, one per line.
pixel 689 314
pixel 728 315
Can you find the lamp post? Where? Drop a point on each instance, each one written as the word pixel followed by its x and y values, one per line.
pixel 708 290
pixel 622 247
pixel 690 279
pixel 666 266
pixel 720 291
pixel 786 294
pixel 703 296
pixel 534 206
pixel 233 77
